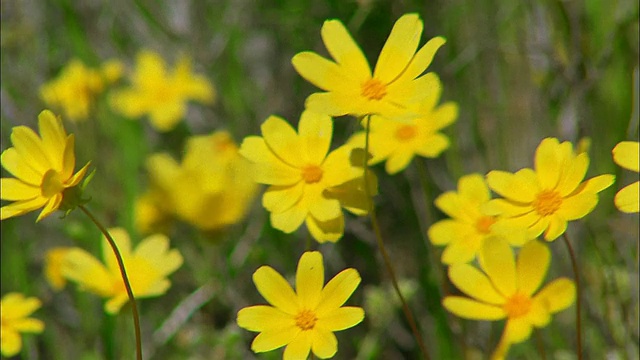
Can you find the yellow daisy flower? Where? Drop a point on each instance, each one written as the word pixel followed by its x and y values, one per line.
pixel 160 93
pixel 398 142
pixel 304 320
pixel 15 309
pixel 469 227
pixel 307 184
pixel 77 87
pixel 220 189
pixel 147 267
pixel 43 168
pixel 507 289
pixel 397 80
pixel 626 155
pixel 545 199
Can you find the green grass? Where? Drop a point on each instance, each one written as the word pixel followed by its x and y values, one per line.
pixel 520 71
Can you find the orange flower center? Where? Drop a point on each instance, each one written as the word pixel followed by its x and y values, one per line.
pixel 306 319
pixel 312 174
pixel 406 132
pixel 483 225
pixel 547 202
pixel 51 184
pixel 517 305
pixel 373 89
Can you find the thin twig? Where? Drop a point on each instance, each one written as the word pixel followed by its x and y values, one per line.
pixel 576 277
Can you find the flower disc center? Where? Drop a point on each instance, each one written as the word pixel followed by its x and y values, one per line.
pixel 51 184
pixel 312 174
pixel 547 202
pixel 483 224
pixel 373 89
pixel 406 132
pixel 306 319
pixel 517 305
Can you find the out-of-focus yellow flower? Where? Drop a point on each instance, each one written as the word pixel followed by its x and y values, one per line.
pixel 626 155
pixel 218 192
pixel 148 267
pixel 303 320
pixel 398 142
pixel 307 184
pixel 544 200
pixel 152 211
pixel 397 81
pixel 469 227
pixel 77 86
pixel 53 261
pixel 43 168
pixel 161 93
pixel 15 309
pixel 506 289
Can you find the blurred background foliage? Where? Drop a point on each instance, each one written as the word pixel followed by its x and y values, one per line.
pixel 519 70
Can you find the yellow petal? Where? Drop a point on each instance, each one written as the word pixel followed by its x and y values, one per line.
pixel 267 168
pixel 531 267
pixel 81 267
pixel 462 251
pixel 320 207
pixel 14 189
pixel 573 173
pixel 517 329
pixel 337 291
pixel 423 58
pixel 474 189
pixel 398 161
pixel 263 318
pixel 432 146
pixel 505 208
pixel 28 325
pixel 19 168
pixel 113 305
pixel 288 221
pixel 310 279
pixel 166 118
pixel 626 199
pixel 448 231
pixel 338 167
pixel 405 94
pixel 17 306
pixel 53 136
pixel 21 207
pixel 557 226
pixel 471 309
pixel 577 206
pixel 324 231
pixel 281 198
pixel 315 131
pixel 30 148
pixel 336 104
pixel 299 347
pixel 341 318
pixel 155 250
pixel 520 187
pixel 399 48
pixel 273 339
pixel 499 265
pixel 474 283
pixel 325 74
pixel 345 51
pixel 596 184
pixel 626 155
pixel 323 343
pixel 557 295
pixel 276 290
pixel 68 161
pixel 550 160
pixel 11 343
pixel 53 203
pixel 283 140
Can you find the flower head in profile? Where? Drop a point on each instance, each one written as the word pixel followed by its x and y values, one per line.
pixel 349 85
pixel 398 142
pixel 220 188
pixel 162 93
pixel 507 288
pixel 77 86
pixel 626 155
pixel 15 310
pixel 308 183
pixel 545 199
pixel 148 267
pixel 469 227
pixel 43 168
pixel 303 320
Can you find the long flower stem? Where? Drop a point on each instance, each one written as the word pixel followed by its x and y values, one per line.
pixel 125 278
pixel 383 251
pixel 577 280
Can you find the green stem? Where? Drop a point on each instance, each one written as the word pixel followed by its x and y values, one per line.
pixel 123 272
pixel 576 277
pixel 383 251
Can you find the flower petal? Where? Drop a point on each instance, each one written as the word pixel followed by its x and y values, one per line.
pixel 53 137
pixel 557 226
pixel 573 173
pixel 310 279
pixel 325 74
pixel 291 219
pixel 577 206
pixel 276 290
pixel 81 267
pixel 337 291
pixel 283 140
pixel 521 186
pixel 474 283
pixel 470 309
pixel 449 231
pixel 14 190
pixel 323 231
pixel 30 148
pixel 398 161
pixel 462 251
pixel 21 207
pixel 299 347
pixel 497 261
pixel 399 48
pixel 626 199
pixel 341 318
pixel 11 343
pixel 324 343
pixel 273 339
pixel 267 168
pixel 531 267
pixel 626 155
pixel 557 295
pixel 315 131
pixel 422 59
pixel 550 159
pixel 264 318
pixel 517 330
pixel 280 198
pixel 345 51
pixel 19 168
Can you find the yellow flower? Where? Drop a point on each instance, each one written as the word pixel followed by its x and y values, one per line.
pixel 43 166
pixel 220 189
pixel 77 87
pixel 398 142
pixel 306 319
pixel 14 319
pixel 350 87
pixel 544 200
pixel 160 93
pixel 469 227
pixel 307 185
pixel 53 262
pixel 626 155
pixel 147 268
pixel 506 289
